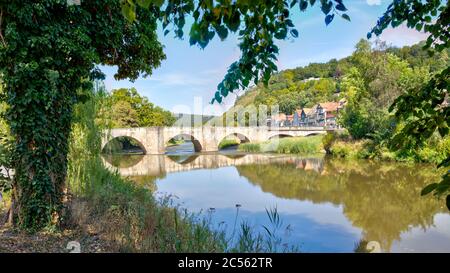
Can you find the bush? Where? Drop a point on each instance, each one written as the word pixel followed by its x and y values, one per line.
pixel 228 143
pixel 250 147
pixel 300 145
pixel 327 141
pixel 289 145
pixel 350 149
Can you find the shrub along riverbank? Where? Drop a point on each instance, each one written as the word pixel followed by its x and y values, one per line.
pixel 228 143
pixel 342 145
pixel 287 145
pixel 434 150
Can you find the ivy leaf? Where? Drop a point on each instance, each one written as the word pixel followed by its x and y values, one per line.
pixel 294 33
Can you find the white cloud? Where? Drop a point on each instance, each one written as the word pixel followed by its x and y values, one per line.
pixel 373 2
pixel 180 79
pixel 402 35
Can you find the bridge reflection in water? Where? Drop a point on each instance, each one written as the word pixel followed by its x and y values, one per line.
pixel 157 165
pixel 330 204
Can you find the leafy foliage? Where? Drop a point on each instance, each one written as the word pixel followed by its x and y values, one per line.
pixel 419 15
pixel 258 23
pixel 48 51
pixel 426 109
pixel 6 142
pixel 129 109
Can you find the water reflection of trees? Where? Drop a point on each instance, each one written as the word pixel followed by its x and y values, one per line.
pixel 123 161
pixel 383 199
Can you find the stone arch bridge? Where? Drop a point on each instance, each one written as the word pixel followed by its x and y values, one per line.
pixel 207 138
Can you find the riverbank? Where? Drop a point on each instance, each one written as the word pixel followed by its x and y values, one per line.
pixel 288 145
pixel 114 214
pixel 343 146
pixel 434 151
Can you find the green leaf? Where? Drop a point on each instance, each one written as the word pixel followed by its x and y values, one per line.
pixel 341 7
pixel 144 3
pixel 129 11
pixel 346 17
pixel 222 32
pixel 157 3
pixel 329 18
pixel 303 5
pixel 428 189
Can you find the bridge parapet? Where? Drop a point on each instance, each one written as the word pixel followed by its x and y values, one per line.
pixel 207 138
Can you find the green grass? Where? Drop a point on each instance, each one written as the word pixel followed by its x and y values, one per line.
pixel 290 145
pixel 228 143
pixel 433 151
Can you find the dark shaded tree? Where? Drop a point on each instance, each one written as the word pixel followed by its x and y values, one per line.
pixel 48 51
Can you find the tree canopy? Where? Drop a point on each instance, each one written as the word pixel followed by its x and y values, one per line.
pixel 48 52
pixel 258 24
pixel 129 109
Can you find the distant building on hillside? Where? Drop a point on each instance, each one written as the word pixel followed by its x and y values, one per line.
pixel 323 114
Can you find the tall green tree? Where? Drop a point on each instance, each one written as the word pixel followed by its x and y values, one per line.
pixel 424 110
pixel 141 112
pixel 376 79
pixel 48 51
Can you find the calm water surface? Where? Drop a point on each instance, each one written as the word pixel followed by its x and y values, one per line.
pixel 325 205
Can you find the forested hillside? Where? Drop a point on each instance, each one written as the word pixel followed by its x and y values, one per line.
pixel 318 82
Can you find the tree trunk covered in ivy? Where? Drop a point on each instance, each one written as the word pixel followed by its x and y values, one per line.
pixel 48 52
pixel 45 70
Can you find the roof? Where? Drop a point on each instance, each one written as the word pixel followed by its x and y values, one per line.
pixel 279 117
pixel 308 111
pixel 330 106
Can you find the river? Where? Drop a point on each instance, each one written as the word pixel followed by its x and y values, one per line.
pixel 326 205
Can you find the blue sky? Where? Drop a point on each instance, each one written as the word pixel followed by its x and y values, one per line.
pixel 187 79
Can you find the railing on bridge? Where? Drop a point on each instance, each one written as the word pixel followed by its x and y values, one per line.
pixel 304 128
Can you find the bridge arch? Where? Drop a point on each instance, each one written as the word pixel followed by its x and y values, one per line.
pixel 241 137
pixel 123 142
pixel 187 136
pixel 280 135
pixel 313 134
